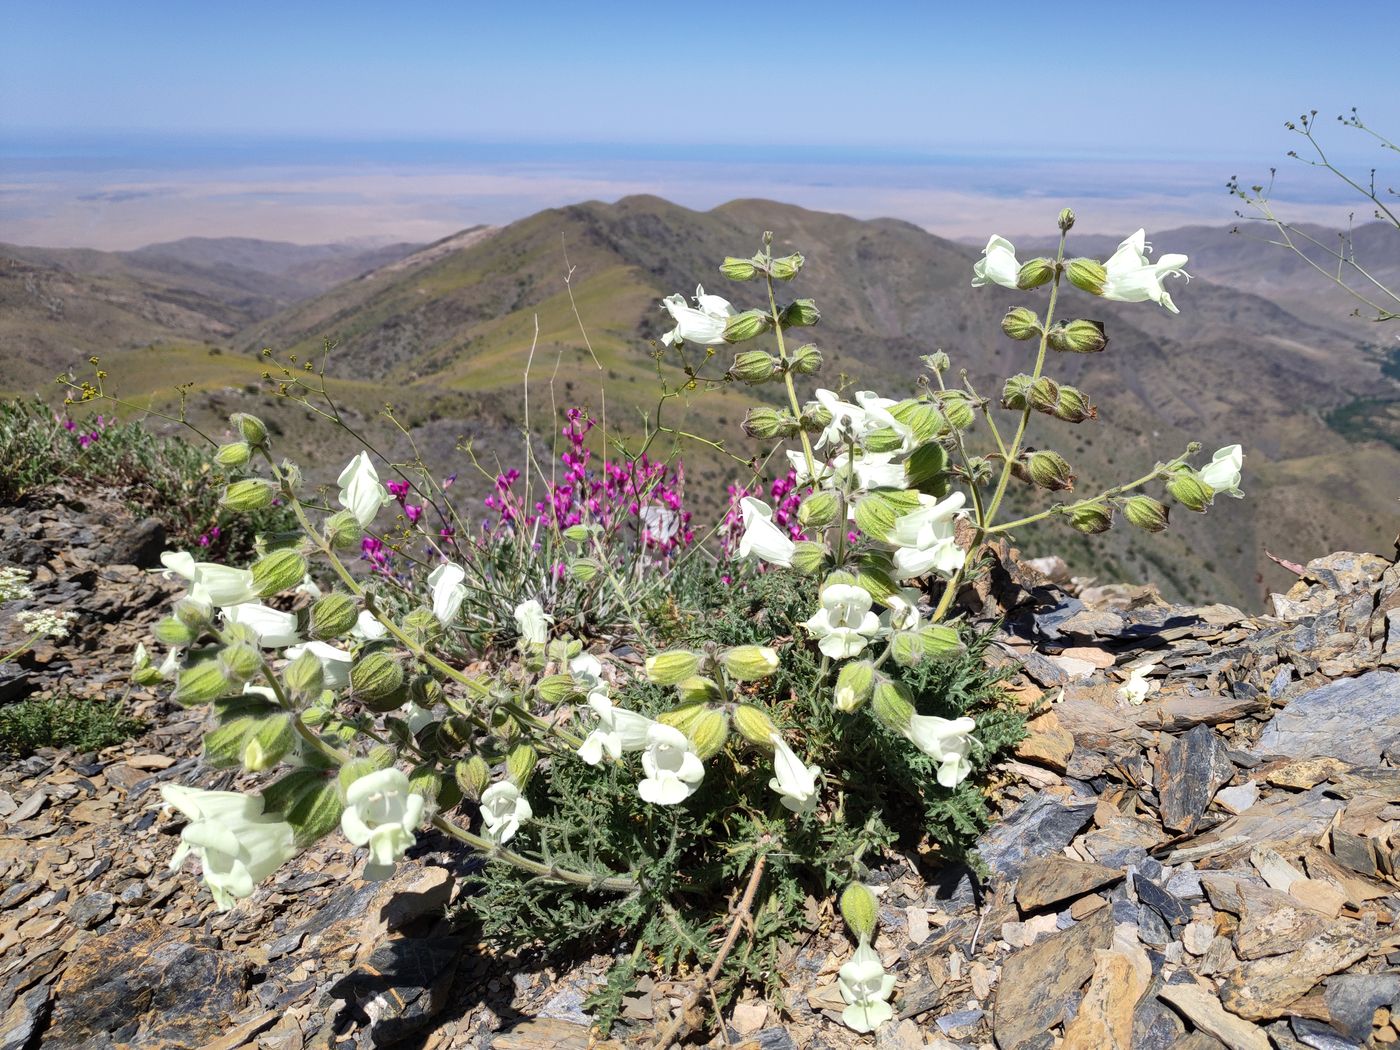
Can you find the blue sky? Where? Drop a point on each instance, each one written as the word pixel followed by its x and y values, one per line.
pixel 993 88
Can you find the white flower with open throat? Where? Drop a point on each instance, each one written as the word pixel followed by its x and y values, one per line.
pixel 361 492
pixel 503 810
pixel 866 987
pixel 844 624
pixel 702 323
pixel 793 779
pixel 1134 278
pixel 946 741
pixel 762 539
pixel 673 770
pixel 618 731
pixel 237 843
pixel 998 264
pixel 381 811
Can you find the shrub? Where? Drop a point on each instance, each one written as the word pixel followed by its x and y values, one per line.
pixel 64 721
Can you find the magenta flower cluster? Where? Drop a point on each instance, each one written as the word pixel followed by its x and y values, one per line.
pixel 86 437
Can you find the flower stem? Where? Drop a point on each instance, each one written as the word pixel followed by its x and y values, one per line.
pixel 787 375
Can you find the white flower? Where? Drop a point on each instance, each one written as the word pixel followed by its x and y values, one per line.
pixel 588 669
pixel 844 623
pixel 503 810
pixel 924 538
pixel 673 771
pixel 13 585
pixel 210 582
pixel 845 418
pixel 947 742
pixel 531 621
pixel 367 627
pixel 360 490
pixel 618 730
pixel 998 264
pixel 448 592
pixel 45 622
pixel 902 610
pixel 308 587
pixel 1133 278
pixel 274 629
pixel 866 987
pixel 170 665
pixel 416 717
pixel 1138 687
pixel 236 842
pixel 762 538
pixel 797 460
pixel 335 663
pixel 703 323
pixel 381 812
pixel 1222 473
pixel 872 470
pixel 795 781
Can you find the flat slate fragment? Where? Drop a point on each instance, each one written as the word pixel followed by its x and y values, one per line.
pixel 1053 879
pixel 1041 825
pixel 1193 767
pixel 1353 719
pixel 1038 984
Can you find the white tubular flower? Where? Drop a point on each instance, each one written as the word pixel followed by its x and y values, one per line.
pixel 845 417
pixel 308 587
pixel 448 592
pixel 998 264
pixel 360 490
pixel 702 324
pixel 1222 473
pixel 274 629
pixel 844 624
pixel 762 539
pixel 865 986
pixel 618 731
pixel 1139 685
pixel 210 582
pixel 673 771
pixel 381 812
pixel 588 669
pixel 797 460
pixel 902 611
pixel 238 845
pixel 1133 278
pixel 503 810
pixel 795 781
pixel 367 628
pixel 873 470
pixel 924 538
pixel 416 717
pixel 335 663
pixel 532 623
pixel 947 742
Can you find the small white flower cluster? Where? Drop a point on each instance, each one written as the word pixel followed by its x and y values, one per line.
pixel 14 585
pixel 46 623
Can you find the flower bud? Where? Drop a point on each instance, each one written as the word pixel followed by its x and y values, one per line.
pixel 1066 220
pixel 907 648
pixel 785 269
pixel 520 764
pixel 815 417
pixel 1187 488
pixel 672 667
pixel 1035 273
pixel 332 615
pixel 281 570
pixel 749 663
pixel 941 640
pixel 746 325
pixel 234 455
pixel 304 676
pixel 806 360
pixel 1044 394
pixel 249 494
pixel 698 690
pixel 1087 275
pixel 266 745
pixel 708 731
pixel 1021 324
pixel 800 313
pixel 753 366
pixel 891 704
pixel 240 661
pixel 808 557
pixel 684 717
pixel 819 509
pixel 1050 470
pixel 1078 337
pixel 173 633
pixel 1146 513
pixel 955 408
pixel 754 725
pixel 375 679
pixel 425 690
pixel 556 688
pixel 1073 406
pixel 1016 393
pixel 738 269
pixel 343 530
pixel 938 361
pixel 200 684
pixel 1091 518
pixel 455 733
pixel 767 423
pixel 425 781
pixel 854 684
pixel 861 911
pixel 253 429
pixel 473 776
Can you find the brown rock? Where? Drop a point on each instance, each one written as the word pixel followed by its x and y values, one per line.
pixel 1273 923
pixel 1050 880
pixel 1264 988
pixel 1205 1012
pixel 1048 743
pixel 1104 1020
pixel 1304 773
pixel 1190 770
pixel 1037 983
pixel 1322 897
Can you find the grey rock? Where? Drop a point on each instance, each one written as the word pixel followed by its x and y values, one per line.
pixel 1353 719
pixel 92 909
pixel 1317 1036
pixel 963 1019
pixel 1353 998
pixel 139 545
pixel 776 1038
pixel 1155 1027
pixel 400 987
pixel 24 1019
pixel 1194 766
pixel 1171 910
pixel 1041 825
